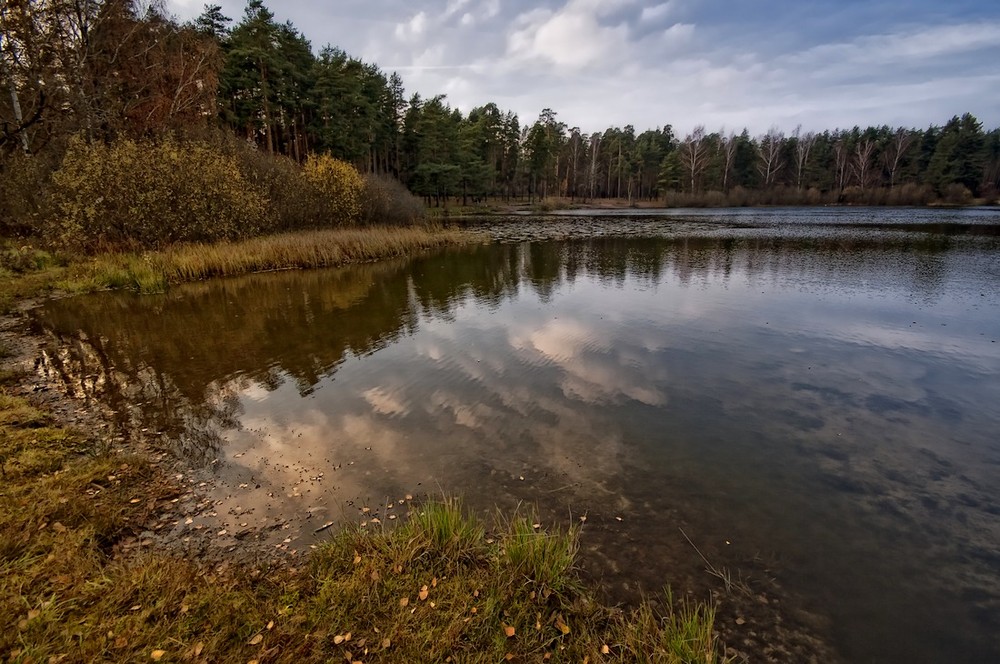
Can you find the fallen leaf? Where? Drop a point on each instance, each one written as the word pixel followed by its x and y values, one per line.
pixel 740 621
pixel 561 625
pixel 536 526
pixel 509 656
pixel 59 528
pixel 256 640
pixel 337 640
pixel 605 649
pixel 423 593
pixel 136 607
pixel 434 582
pixel 157 655
pixel 404 601
pixel 198 648
pixel 270 625
pixel 375 575
pixel 34 613
pixel 473 610
pixel 135 501
pixel 508 630
pixel 386 643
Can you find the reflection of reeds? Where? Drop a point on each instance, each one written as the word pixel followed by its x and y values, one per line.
pixel 154 271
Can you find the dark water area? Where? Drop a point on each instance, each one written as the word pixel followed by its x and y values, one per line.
pixel 812 396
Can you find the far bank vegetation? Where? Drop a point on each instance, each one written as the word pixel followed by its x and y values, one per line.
pixel 123 128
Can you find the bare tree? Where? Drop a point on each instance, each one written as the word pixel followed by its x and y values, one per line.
pixel 803 146
pixel 694 154
pixel 771 162
pixel 840 156
pixel 727 145
pixel 897 148
pixel 595 145
pixel 862 162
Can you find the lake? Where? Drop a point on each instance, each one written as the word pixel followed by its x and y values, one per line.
pixel 809 396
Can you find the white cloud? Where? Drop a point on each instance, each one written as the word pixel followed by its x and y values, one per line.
pixel 656 12
pixel 412 29
pixel 571 37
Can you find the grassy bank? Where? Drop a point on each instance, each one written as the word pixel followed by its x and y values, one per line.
pixel 29 272
pixel 439 587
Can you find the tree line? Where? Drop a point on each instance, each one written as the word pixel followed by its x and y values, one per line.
pixel 110 69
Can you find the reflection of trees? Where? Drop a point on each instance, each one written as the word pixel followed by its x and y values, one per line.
pixel 176 363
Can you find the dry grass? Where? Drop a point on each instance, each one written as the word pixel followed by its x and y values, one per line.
pixel 154 271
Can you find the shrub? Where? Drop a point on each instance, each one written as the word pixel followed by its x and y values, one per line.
pixel 340 187
pixel 151 194
pixel 386 201
pixel 24 184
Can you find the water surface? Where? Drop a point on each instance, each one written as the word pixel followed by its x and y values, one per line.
pixel 810 395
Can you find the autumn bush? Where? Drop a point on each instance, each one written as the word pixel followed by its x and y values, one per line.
pixel 386 201
pixel 24 188
pixel 150 194
pixel 340 189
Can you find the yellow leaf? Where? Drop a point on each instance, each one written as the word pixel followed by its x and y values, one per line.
pixel 338 639
pixel 270 625
pixel 508 630
pixel 157 655
pixel 257 639
pixel 561 625
pixel 605 649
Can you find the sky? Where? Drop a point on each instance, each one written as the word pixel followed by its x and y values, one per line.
pixel 724 64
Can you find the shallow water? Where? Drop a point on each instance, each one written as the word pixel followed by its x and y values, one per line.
pixel 812 395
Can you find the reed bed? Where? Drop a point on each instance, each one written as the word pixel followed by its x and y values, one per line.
pixel 151 272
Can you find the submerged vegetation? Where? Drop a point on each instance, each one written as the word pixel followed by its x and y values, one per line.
pixel 440 585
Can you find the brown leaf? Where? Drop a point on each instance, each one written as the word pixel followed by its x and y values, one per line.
pixel 197 650
pixel 157 655
pixel 508 630
pixel 423 593
pixel 357 557
pixel 434 582
pixel 561 625
pixel 338 639
pixel 386 643
pixel 256 639
pixel 375 576
pixel 404 601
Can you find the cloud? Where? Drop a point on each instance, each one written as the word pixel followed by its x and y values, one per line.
pixel 656 12
pixel 572 37
pixel 412 29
